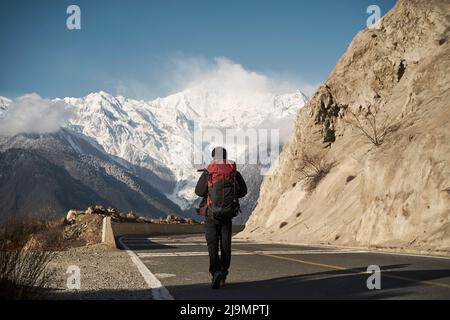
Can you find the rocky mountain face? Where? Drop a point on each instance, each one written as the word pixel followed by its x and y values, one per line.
pixel 50 174
pixel 253 178
pixel 369 161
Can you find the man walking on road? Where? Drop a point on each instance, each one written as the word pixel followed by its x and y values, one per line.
pixel 223 185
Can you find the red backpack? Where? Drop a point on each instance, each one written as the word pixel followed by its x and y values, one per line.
pixel 223 203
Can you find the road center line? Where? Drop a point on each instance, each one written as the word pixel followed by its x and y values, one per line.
pixel 351 270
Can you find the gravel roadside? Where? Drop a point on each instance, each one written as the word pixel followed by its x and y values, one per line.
pixel 106 273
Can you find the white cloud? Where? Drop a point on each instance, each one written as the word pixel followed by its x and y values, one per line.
pixel 233 88
pixel 31 113
pixel 224 74
pixel 219 74
pixel 133 89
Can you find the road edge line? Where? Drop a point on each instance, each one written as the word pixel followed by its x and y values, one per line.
pixel 159 292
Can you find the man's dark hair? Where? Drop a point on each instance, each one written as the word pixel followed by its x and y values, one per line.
pixel 219 153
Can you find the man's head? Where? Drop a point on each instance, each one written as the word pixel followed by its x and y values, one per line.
pixel 219 153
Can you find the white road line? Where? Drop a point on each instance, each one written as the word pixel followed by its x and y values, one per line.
pixel 159 292
pixel 307 251
pixel 192 241
pixel 372 251
pixel 136 242
pixel 133 242
pixel 409 254
pixel 182 243
pixel 157 242
pixel 243 253
pixel 142 244
pixel 176 254
pixel 183 240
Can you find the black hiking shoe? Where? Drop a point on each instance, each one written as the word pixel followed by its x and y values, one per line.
pixel 216 280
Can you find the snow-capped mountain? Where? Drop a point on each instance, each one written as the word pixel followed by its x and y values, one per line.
pixel 158 135
pixel 4 102
pixel 52 173
pixel 154 141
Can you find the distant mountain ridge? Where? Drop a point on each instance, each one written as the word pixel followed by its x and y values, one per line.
pixel 47 174
pixel 151 141
pixel 157 135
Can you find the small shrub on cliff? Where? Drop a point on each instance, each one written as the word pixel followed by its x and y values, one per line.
pixel 372 125
pixel 312 167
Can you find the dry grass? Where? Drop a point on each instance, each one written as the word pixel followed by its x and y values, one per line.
pixel 26 248
pixel 32 233
pixel 23 273
pixel 311 167
pixel 374 126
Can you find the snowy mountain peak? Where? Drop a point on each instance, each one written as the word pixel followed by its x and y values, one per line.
pixel 157 135
pixel 216 108
pixel 4 102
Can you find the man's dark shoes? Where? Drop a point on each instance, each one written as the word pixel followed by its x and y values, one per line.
pixel 217 277
pixel 222 282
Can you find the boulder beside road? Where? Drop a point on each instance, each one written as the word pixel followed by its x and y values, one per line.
pixel 124 216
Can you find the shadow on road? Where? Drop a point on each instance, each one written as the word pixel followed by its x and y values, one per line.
pixel 326 285
pixel 347 284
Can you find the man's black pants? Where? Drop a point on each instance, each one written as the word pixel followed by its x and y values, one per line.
pixel 218 233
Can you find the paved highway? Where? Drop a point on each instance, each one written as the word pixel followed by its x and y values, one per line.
pixel 176 267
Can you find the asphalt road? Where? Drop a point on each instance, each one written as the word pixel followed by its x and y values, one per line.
pixel 179 265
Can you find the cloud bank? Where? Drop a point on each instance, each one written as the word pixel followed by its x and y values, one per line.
pixel 232 87
pixel 222 73
pixel 181 72
pixel 31 113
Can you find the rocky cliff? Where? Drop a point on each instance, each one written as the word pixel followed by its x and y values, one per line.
pixel 369 161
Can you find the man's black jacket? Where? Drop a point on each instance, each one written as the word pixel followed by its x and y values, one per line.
pixel 201 189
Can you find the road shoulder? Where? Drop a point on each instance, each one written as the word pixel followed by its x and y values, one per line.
pixel 105 273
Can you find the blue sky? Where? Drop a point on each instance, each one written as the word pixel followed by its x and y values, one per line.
pixel 133 47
